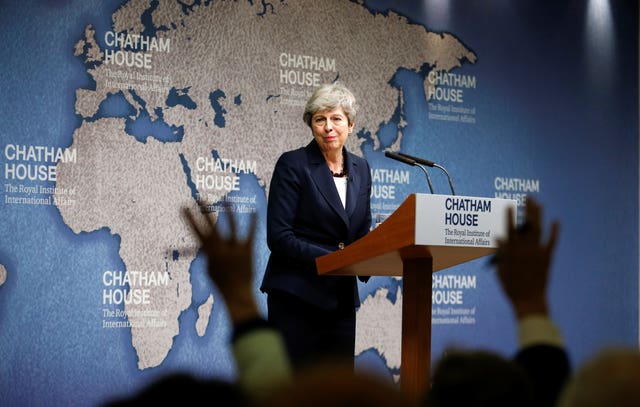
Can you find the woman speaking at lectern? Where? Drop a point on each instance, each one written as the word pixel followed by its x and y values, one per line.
pixel 319 202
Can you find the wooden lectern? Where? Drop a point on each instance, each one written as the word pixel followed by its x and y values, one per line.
pixel 427 233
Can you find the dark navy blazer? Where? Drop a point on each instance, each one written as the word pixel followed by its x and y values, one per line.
pixel 306 219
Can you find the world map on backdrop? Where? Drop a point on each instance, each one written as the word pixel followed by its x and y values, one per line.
pixel 188 104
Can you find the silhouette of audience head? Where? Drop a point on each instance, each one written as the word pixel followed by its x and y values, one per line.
pixel 187 387
pixel 610 378
pixel 336 384
pixel 478 378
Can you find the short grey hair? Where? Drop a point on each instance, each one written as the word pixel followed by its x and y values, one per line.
pixel 330 96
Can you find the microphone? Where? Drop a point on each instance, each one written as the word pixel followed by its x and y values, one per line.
pixel 418 160
pixel 410 161
pixel 430 164
pixel 401 158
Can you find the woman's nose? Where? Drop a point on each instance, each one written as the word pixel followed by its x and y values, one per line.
pixel 328 125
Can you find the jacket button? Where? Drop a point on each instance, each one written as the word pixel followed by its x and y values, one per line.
pixel 340 245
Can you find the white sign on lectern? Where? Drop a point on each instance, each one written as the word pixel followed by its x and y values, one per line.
pixel 451 220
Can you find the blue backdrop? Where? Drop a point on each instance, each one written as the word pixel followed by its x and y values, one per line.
pixel 555 115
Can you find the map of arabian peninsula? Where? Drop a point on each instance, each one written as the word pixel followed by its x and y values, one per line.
pixel 224 84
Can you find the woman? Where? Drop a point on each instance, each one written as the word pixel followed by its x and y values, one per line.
pixel 319 202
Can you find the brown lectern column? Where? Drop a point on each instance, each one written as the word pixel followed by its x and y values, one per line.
pixel 416 326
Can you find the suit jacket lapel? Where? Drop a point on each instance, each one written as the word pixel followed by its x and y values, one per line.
pixel 353 184
pixel 324 181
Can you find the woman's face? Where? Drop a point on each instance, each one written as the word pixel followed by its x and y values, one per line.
pixel 330 129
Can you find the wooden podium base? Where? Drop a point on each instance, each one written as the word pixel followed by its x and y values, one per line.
pixel 416 327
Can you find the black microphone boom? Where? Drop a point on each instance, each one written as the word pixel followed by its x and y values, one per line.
pixel 400 157
pixel 430 164
pixel 410 161
pixel 418 160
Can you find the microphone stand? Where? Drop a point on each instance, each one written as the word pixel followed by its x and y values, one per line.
pixel 427 174
pixel 428 163
pixel 410 161
pixel 453 192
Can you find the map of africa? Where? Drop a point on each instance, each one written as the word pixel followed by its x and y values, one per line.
pixel 225 83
